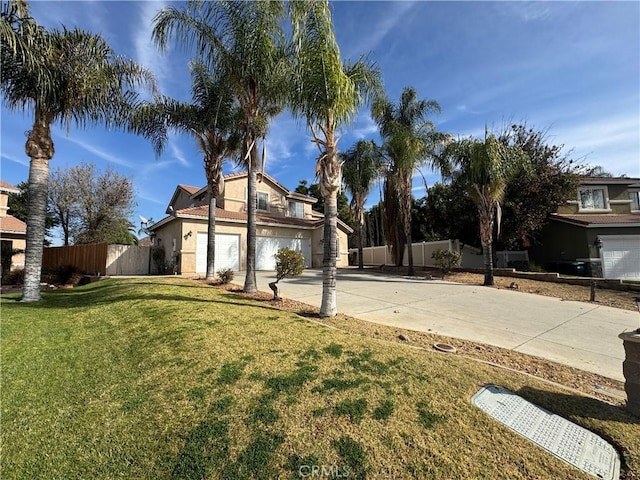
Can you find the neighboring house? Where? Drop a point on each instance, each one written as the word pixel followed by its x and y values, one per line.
pixel 597 232
pixel 284 219
pixel 13 232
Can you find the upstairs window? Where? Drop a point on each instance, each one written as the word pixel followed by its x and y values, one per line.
pixel 635 200
pixel 263 201
pixel 296 209
pixel 594 199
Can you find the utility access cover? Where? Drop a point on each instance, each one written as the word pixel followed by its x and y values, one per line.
pixel 566 440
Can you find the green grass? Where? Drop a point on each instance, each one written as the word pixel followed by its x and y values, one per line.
pixel 169 378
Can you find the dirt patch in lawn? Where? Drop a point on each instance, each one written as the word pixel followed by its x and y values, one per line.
pixel 579 293
pixel 609 390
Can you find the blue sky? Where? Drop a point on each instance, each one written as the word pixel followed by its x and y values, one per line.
pixel 572 68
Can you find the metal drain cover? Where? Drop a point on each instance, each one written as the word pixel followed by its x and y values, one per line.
pixel 566 440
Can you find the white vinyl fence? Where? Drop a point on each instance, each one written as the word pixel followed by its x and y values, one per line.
pixel 128 260
pixel 471 256
pixel 507 256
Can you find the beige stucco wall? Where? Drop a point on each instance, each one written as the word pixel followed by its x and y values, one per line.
pixel 164 236
pixel 186 247
pixel 4 199
pixel 317 247
pixel 183 200
pixel 618 198
pixel 235 193
pixel 18 242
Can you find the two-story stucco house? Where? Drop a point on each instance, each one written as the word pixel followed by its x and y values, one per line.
pixel 13 232
pixel 284 219
pixel 599 229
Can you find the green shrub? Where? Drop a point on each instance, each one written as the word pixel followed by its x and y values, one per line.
pixel 524 266
pixel 66 275
pixel 158 257
pixel 225 275
pixel 534 267
pixel 519 265
pixel 289 263
pixel 14 277
pixel 446 260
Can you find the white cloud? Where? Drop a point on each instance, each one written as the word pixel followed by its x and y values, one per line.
pixel 98 152
pixel 393 15
pixel 527 11
pixel 365 128
pixel 152 199
pixel 11 158
pixel 146 53
pixel 177 153
pixel 612 142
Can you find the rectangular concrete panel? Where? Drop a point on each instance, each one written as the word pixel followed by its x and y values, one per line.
pixel 575 445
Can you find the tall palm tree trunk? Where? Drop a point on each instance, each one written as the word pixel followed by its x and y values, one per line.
pixel 393 232
pixel 488 264
pixel 330 179
pixel 211 235
pixel 360 246
pixel 486 239
pixel 406 222
pixel 250 283
pixel 410 271
pixel 39 147
pixel 329 306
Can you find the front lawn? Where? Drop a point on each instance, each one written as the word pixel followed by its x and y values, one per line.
pixel 169 378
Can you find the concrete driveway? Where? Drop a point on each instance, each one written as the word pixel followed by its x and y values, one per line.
pixel 578 334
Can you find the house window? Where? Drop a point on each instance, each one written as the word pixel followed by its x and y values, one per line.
pixel 593 199
pixel 263 201
pixel 296 209
pixel 635 200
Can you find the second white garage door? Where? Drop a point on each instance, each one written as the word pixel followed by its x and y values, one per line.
pixel 267 247
pixel 620 256
pixel 227 252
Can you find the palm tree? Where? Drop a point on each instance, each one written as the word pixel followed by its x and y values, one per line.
pixel 66 76
pixel 361 167
pixel 484 167
pixel 410 140
pixel 326 94
pixel 212 119
pixel 243 43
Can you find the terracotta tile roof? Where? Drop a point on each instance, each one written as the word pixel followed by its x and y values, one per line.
pixel 203 211
pixel 603 219
pixel 609 180
pixel 7 187
pixel 11 224
pixel 191 190
pixel 302 196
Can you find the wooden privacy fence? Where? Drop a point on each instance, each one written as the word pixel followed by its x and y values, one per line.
pixel 100 259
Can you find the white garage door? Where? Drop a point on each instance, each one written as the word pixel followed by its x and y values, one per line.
pixel 267 247
pixel 227 252
pixel 620 256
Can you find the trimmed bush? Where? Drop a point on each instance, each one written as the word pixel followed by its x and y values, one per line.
pixel 225 275
pixel 289 263
pixel 66 275
pixel 14 277
pixel 446 260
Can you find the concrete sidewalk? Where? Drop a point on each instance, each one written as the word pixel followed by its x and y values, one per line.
pixel 577 334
